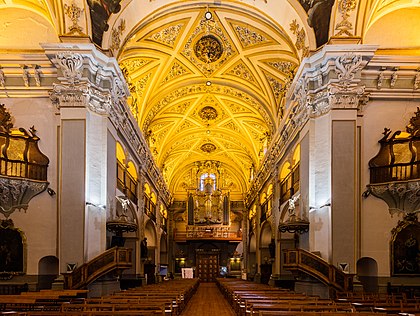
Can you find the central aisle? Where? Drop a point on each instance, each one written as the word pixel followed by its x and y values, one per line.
pixel 208 301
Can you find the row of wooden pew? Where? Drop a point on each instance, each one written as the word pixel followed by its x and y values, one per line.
pixel 168 298
pixel 248 299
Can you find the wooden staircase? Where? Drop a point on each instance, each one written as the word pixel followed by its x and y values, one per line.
pixel 302 261
pixel 114 259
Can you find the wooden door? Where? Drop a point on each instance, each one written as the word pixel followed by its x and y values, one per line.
pixel 207 267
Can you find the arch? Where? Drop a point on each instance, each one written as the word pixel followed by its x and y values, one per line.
pixel 28 25
pixel 164 250
pixel 147 189
pixel 397 26
pixel 367 273
pixel 270 190
pixel 285 170
pixel 263 198
pixel 281 14
pixel 296 155
pixel 131 168
pixel 48 270
pixel 120 153
pixel 150 234
pixel 265 235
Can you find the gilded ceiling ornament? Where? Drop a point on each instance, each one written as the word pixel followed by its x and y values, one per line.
pixel 208 147
pixel 208 113
pixel 206 28
pixel 167 36
pixel 276 86
pixel 231 125
pixel 242 71
pixel 285 67
pixel 345 7
pixel 142 84
pixel 132 65
pixel 208 49
pixel 177 70
pixel 116 35
pixel 249 37
pixel 300 38
pixel 74 13
pixel 180 108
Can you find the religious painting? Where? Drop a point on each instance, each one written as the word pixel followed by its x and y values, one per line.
pixel 100 11
pixel 319 14
pixel 405 249
pixel 11 248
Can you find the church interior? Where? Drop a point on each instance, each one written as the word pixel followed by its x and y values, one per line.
pixel 272 142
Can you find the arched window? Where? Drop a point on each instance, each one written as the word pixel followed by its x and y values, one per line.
pixel 126 175
pixel 289 177
pixel 208 182
pixel 150 201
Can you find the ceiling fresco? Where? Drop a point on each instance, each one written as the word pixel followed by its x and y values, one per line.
pixel 208 84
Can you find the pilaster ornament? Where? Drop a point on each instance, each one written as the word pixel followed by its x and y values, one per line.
pixel 380 80
pixel 345 26
pixel 416 84
pixel 25 75
pixel 71 65
pixel 37 75
pixel 394 78
pixel 2 78
pixel 74 13
pixel 346 92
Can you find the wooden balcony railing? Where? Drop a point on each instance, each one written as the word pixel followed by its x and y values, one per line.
pixel 395 172
pixel 299 260
pixel 113 259
pixel 207 233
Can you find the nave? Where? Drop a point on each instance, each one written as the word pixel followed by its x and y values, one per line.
pixel 189 297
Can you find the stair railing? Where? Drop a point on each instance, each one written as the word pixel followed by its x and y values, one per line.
pixel 116 258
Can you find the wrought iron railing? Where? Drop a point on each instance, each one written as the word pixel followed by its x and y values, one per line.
pixel 113 259
pixel 299 260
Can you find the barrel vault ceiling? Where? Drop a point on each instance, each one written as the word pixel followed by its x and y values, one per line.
pixel 207 84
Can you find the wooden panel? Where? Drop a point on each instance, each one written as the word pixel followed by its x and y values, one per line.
pixel 207 267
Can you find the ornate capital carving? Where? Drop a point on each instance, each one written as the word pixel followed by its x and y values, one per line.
pixel 71 65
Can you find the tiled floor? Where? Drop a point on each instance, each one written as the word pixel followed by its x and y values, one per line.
pixel 208 301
